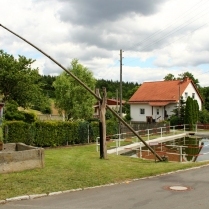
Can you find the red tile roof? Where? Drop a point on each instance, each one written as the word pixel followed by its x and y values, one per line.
pixel 112 102
pixel 158 103
pixel 160 91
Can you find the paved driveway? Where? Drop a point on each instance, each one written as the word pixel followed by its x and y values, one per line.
pixel 185 189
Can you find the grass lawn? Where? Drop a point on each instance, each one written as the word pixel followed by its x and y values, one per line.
pixel 80 167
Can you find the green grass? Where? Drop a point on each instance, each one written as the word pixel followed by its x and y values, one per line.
pixel 80 167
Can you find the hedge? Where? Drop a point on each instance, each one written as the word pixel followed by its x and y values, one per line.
pixel 53 133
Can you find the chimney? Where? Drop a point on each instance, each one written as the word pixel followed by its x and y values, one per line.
pixel 186 79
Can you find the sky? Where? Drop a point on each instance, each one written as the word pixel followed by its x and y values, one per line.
pixel 157 37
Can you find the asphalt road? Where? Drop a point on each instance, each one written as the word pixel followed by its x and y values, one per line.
pixel 191 190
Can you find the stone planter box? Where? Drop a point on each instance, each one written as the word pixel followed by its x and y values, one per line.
pixel 18 157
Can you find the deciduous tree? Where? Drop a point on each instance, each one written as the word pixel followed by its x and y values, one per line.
pixel 71 98
pixel 18 81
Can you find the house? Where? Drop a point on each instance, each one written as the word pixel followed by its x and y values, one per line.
pixel 155 101
pixel 112 103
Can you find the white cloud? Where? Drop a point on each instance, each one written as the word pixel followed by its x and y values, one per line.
pixel 174 33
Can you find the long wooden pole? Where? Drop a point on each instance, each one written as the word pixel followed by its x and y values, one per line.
pixel 87 88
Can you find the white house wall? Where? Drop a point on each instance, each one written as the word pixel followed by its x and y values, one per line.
pixel 135 112
pixel 136 116
pixel 169 108
pixel 190 90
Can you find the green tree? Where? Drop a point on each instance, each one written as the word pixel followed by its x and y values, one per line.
pixel 196 110
pixel 18 81
pixel 71 98
pixel 179 113
pixel 205 94
pixel 47 86
pixel 189 112
pixel 128 88
pixel 190 76
pixel 169 77
pixel 204 116
pixel 12 113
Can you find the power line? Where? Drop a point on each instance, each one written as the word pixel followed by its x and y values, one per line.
pixel 180 27
pixel 173 31
pixel 169 25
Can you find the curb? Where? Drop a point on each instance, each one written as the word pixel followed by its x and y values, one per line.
pixel 36 196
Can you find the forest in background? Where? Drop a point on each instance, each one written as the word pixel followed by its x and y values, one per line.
pixel 128 88
pixel 23 87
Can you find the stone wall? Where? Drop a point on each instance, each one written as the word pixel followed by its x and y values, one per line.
pixel 18 157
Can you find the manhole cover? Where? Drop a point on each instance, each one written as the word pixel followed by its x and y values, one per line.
pixel 178 188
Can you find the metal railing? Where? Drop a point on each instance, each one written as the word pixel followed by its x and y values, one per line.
pixel 154 132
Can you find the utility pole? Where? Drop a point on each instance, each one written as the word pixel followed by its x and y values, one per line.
pixel 121 82
pixel 179 100
pixel 117 100
pixel 121 64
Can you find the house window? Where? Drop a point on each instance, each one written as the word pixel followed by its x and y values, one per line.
pixel 193 95
pixel 186 95
pixel 142 111
pixel 157 111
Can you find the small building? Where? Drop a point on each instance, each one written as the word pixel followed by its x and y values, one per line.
pixel 155 101
pixel 113 103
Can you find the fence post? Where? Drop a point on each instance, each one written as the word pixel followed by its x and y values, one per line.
pixel 180 153
pixel 147 134
pixel 97 144
pixel 119 139
pixel 196 128
pixel 140 151
pixel 116 143
pixel 161 131
pixel 136 137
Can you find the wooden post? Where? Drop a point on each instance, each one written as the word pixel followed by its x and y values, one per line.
pixel 102 123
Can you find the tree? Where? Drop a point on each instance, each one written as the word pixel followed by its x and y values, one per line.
pixel 12 113
pixel 128 88
pixel 204 116
pixel 169 77
pixel 71 98
pixel 190 76
pixel 47 87
pixel 205 94
pixel 196 110
pixel 179 113
pixel 18 81
pixel 191 112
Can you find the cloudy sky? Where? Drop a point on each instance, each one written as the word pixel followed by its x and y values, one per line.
pixel 157 37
